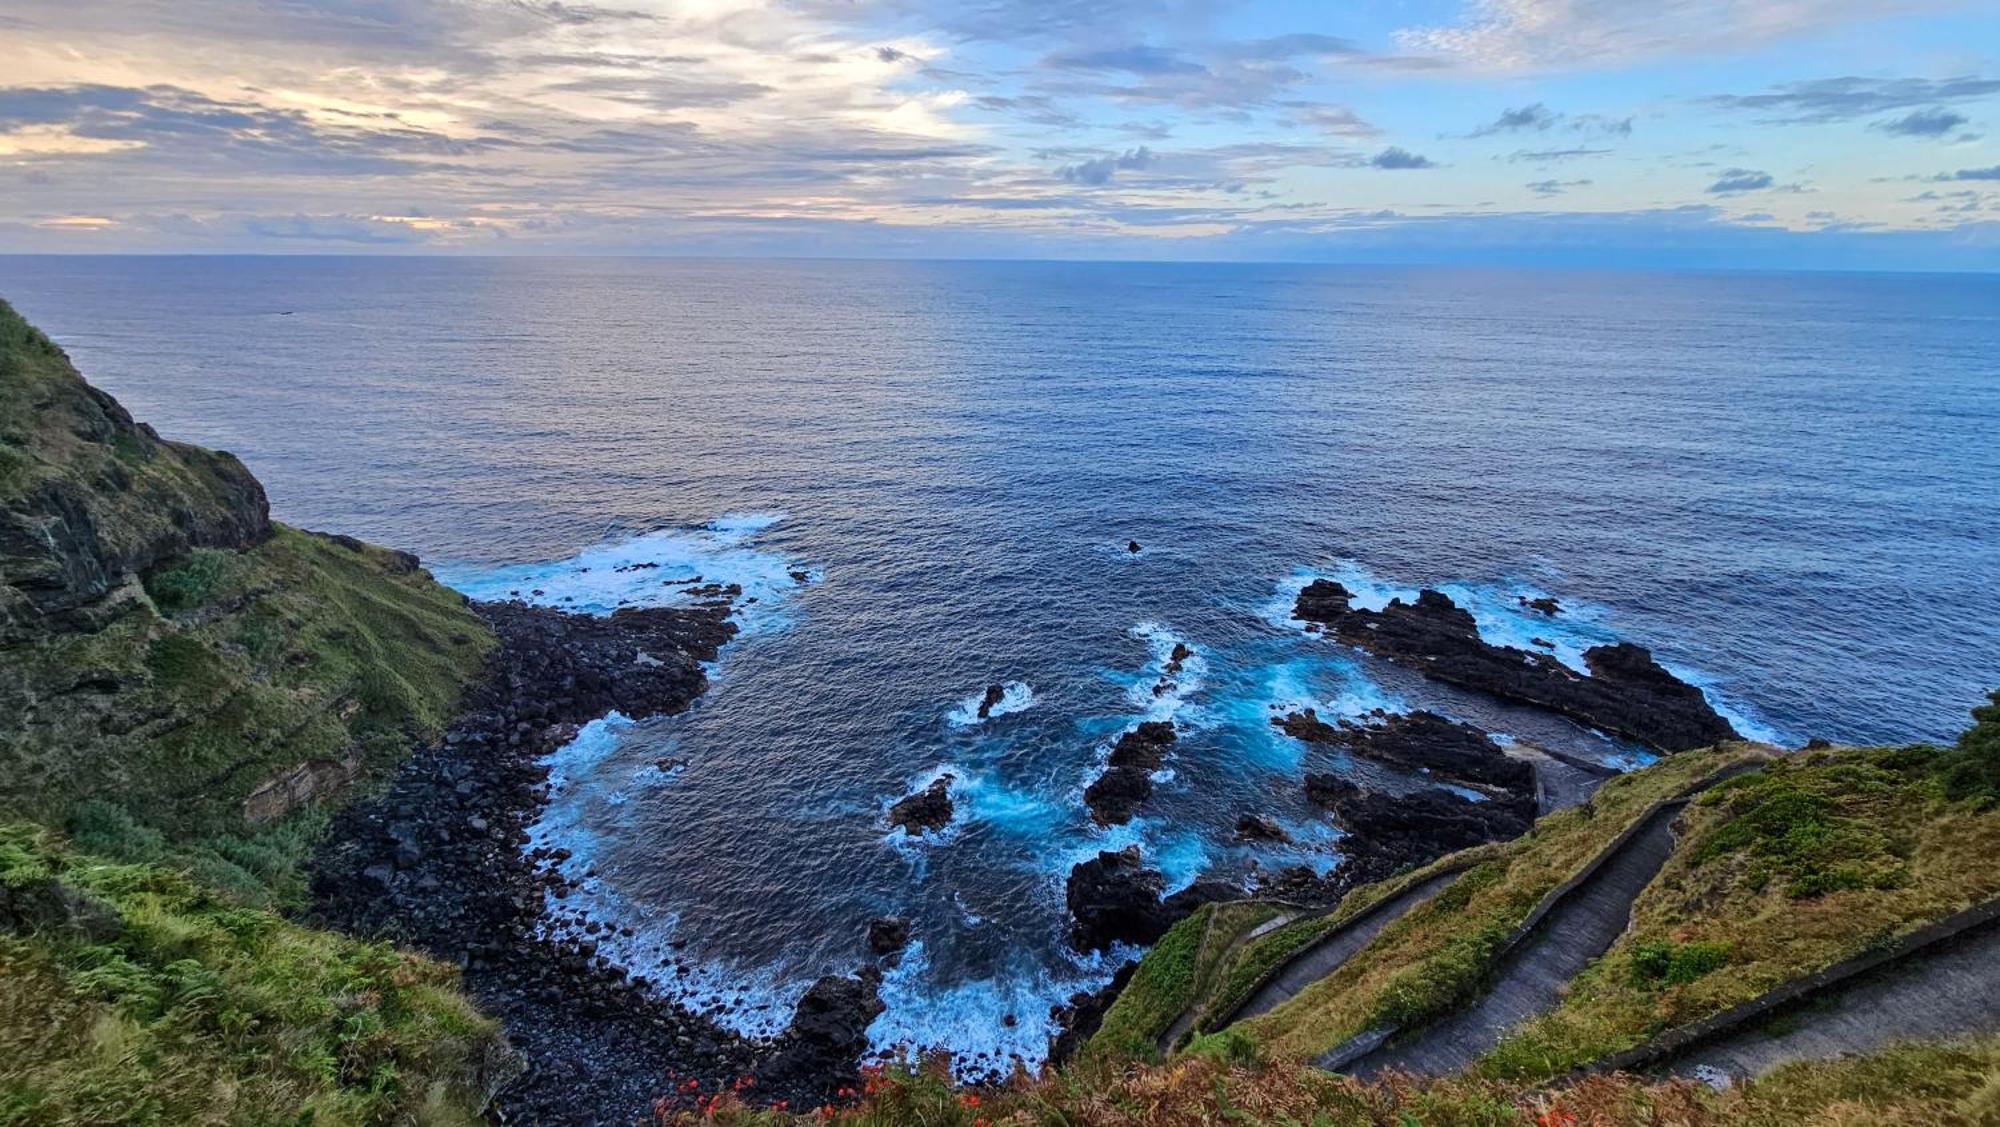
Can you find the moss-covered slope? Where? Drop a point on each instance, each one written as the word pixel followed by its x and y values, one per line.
pixel 185 689
pixel 176 672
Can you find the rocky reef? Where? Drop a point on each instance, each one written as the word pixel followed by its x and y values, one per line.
pixel 1626 693
pixel 1127 781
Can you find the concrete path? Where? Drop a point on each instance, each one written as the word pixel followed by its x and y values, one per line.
pixel 1946 991
pixel 1530 978
pixel 1322 958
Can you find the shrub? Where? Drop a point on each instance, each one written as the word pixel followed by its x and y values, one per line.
pixel 1972 768
pixel 1662 963
pixel 191 583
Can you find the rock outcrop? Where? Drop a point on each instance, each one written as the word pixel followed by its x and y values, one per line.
pixel 1387 833
pixel 1420 741
pixel 90 499
pixel 1127 780
pixel 1626 692
pixel 928 809
pixel 1116 898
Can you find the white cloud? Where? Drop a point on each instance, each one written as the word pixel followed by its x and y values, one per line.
pixel 1508 35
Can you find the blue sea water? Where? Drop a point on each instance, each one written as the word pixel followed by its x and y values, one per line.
pixel 926 475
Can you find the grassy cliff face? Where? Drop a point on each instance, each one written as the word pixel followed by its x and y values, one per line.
pixel 178 675
pixel 185 690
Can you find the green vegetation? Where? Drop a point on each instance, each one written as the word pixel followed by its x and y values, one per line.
pixel 1440 952
pixel 137 995
pixel 150 735
pixel 1938 1085
pixel 184 690
pixel 1778 874
pixel 1972 769
pixel 1178 970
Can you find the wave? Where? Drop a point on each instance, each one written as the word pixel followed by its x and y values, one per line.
pixel 664 567
pixel 1016 696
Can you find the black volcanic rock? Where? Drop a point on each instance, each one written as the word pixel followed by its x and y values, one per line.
pixel 1420 741
pixel 928 809
pixel 1116 898
pixel 828 1033
pixel 1257 827
pixel 1387 833
pixel 1626 693
pixel 1144 746
pixel 994 695
pixel 1117 793
pixel 888 934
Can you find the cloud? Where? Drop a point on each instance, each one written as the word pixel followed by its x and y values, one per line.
pixel 1340 121
pixel 1103 169
pixel 1536 117
pixel 1740 180
pixel 1933 122
pixel 1539 156
pixel 1989 173
pixel 1555 187
pixel 1823 100
pixel 1136 59
pixel 1509 35
pixel 1396 158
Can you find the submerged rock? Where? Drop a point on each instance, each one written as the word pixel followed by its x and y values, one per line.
pixel 928 809
pixel 1626 693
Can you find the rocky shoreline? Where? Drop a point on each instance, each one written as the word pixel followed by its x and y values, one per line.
pixel 439 861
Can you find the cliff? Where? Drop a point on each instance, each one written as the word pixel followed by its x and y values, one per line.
pixel 186 689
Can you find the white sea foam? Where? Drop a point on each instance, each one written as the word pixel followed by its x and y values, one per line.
pixel 650 569
pixel 1016 696
pixel 967 1017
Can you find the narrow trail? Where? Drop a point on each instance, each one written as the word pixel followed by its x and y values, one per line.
pixel 1950 990
pixel 1335 948
pixel 1580 926
pixel 1179 1027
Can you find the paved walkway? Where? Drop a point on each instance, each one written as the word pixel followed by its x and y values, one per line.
pixel 1336 947
pixel 1947 991
pixel 1531 977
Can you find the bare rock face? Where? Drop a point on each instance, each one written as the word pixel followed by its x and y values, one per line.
pixel 928 809
pixel 91 498
pixel 1116 898
pixel 1420 741
pixel 1387 833
pixel 1626 693
pixel 1117 794
pixel 888 935
pixel 1127 780
pixel 994 695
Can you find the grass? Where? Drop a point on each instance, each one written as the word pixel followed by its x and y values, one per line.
pixel 1440 952
pixel 146 973
pixel 1174 975
pixel 154 729
pixel 1778 874
pixel 1939 1085
pixel 135 994
pixel 1251 965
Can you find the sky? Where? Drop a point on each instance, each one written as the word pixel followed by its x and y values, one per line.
pixel 1762 134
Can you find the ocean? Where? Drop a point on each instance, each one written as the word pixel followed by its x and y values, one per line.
pixel 927 476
